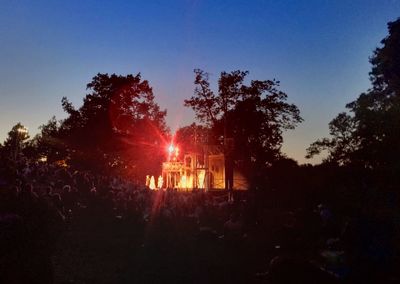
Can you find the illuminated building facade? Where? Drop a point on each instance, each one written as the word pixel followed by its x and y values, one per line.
pixel 204 170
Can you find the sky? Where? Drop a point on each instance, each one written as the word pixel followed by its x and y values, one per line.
pixel 318 50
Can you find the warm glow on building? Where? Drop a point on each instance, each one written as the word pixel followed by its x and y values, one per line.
pixel 205 170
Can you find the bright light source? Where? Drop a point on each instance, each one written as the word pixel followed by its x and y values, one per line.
pixel 171 149
pixel 22 130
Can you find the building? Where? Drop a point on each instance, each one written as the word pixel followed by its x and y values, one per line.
pixel 205 170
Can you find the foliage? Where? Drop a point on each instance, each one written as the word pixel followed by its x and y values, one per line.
pixel 15 142
pixel 254 115
pixel 118 128
pixel 369 135
pixel 190 138
pixel 385 73
pixel 341 145
pixel 12 151
pixel 47 143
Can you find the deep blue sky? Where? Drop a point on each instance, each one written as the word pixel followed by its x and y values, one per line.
pixel 318 50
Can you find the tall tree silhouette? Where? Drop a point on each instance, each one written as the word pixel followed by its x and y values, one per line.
pixel 368 135
pixel 118 127
pixel 12 151
pixel 16 142
pixel 253 115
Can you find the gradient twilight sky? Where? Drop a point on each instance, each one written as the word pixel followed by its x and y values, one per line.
pixel 318 50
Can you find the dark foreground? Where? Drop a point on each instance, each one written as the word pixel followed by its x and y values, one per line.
pixel 119 252
pixel 80 228
pixel 123 250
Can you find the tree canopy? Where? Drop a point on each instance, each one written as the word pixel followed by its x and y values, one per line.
pixel 12 151
pixel 254 115
pixel 119 127
pixel 15 142
pixel 191 137
pixel 368 135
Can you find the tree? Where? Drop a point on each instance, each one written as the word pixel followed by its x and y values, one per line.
pixel 15 142
pixel 253 115
pixel 11 153
pixel 47 144
pixel 118 128
pixel 190 138
pixel 385 73
pixel 369 134
pixel 341 145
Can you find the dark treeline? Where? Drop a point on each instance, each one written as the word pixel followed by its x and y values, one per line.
pixel 336 222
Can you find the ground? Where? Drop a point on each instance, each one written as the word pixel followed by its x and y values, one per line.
pixel 119 251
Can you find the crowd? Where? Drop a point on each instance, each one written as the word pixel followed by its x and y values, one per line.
pixel 45 200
